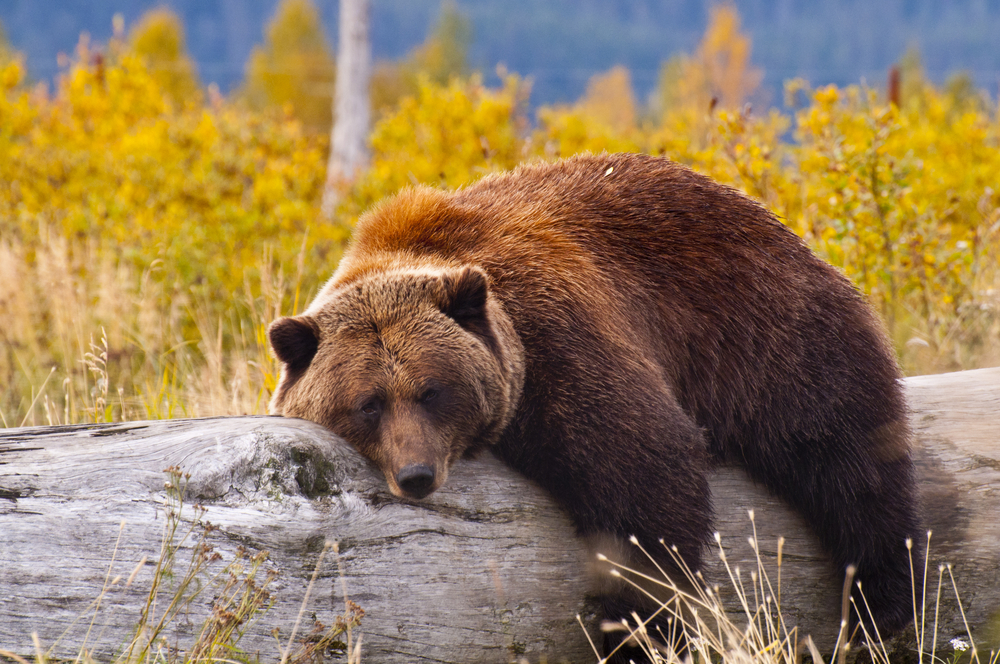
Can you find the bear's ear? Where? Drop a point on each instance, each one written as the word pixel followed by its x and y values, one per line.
pixel 465 298
pixel 294 340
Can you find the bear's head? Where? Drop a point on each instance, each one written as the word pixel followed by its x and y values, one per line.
pixel 415 369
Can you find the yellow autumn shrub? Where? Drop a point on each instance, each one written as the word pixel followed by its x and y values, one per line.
pixel 158 38
pixel 109 158
pixel 447 135
pixel 153 221
pixel 906 202
pixel 603 120
pixel 294 67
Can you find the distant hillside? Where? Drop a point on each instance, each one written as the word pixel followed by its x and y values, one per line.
pixel 561 43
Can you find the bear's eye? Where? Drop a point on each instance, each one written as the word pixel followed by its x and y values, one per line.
pixel 370 408
pixel 428 396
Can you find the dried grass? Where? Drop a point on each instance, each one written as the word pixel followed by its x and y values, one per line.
pixel 702 630
pixel 86 337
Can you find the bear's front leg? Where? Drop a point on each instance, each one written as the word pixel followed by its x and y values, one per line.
pixel 623 467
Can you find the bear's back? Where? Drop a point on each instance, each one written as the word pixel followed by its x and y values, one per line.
pixel 637 214
pixel 637 252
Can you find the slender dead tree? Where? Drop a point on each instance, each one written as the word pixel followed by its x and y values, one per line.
pixel 352 108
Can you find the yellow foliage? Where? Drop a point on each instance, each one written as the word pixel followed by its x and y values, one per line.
pixel 724 56
pixel 177 211
pixel 442 56
pixel 108 158
pixel 718 74
pixel 439 59
pixel 294 67
pixel 6 52
pixel 158 39
pixel 905 202
pixel 610 101
pixel 565 131
pixel 604 120
pixel 448 136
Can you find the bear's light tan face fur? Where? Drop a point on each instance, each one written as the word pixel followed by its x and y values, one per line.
pixel 407 367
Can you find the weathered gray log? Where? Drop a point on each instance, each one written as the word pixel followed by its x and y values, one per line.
pixel 486 569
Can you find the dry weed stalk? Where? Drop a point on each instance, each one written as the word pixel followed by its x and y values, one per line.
pixel 160 353
pixel 701 629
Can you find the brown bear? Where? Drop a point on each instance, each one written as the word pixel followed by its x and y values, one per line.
pixel 610 326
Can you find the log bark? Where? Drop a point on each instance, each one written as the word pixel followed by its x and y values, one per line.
pixel 485 569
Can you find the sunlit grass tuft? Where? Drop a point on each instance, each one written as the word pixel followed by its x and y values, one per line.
pixel 88 339
pixel 703 629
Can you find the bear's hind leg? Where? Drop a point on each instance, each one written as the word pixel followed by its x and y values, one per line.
pixel 857 491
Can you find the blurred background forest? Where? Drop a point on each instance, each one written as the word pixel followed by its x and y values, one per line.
pixel 560 44
pixel 161 168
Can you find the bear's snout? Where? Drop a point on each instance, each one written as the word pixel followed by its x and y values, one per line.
pixel 416 480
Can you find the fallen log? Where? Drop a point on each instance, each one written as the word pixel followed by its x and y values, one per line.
pixel 487 569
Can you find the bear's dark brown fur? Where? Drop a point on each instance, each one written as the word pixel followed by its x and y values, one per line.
pixel 610 326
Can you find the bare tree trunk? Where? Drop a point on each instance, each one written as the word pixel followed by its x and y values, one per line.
pixel 352 115
pixel 486 569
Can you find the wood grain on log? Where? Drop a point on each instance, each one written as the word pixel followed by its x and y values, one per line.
pixel 485 569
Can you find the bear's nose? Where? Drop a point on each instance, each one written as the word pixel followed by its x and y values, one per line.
pixel 416 479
